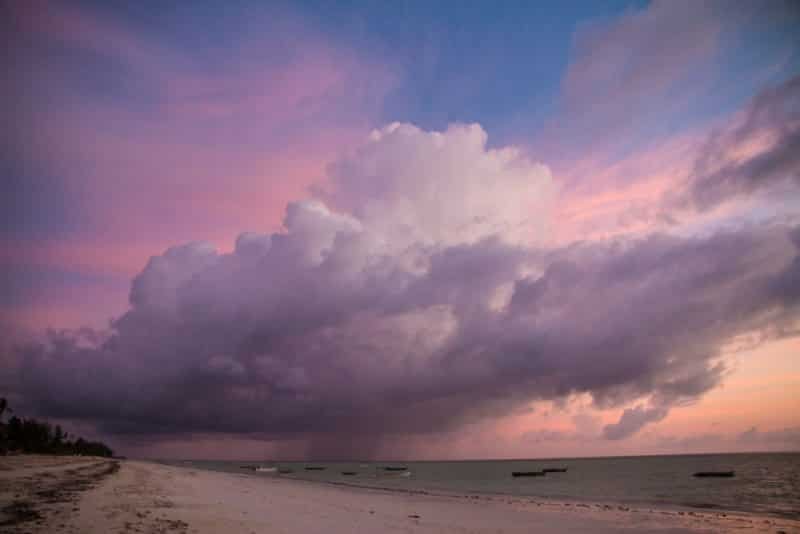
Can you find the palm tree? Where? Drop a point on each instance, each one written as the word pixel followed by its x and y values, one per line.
pixel 3 408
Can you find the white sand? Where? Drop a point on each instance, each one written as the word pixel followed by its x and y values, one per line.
pixel 147 497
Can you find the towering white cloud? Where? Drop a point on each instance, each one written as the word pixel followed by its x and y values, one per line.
pixel 446 188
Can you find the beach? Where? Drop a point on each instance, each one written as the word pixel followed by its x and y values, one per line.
pixel 73 495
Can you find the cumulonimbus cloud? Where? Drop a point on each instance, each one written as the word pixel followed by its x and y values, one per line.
pixel 423 301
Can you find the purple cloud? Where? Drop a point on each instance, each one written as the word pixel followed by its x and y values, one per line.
pixel 340 325
pixel 632 420
pixel 759 151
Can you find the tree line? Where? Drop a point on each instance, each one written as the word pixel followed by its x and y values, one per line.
pixel 31 436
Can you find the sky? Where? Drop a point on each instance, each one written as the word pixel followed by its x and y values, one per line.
pixel 326 230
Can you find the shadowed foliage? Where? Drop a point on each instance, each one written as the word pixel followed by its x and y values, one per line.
pixel 32 436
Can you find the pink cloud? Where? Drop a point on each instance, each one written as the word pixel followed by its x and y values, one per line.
pixel 205 151
pixel 714 173
pixel 639 55
pixel 73 26
pixel 630 73
pixel 623 197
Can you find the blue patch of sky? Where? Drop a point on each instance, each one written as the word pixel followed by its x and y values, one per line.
pixel 762 50
pixel 464 61
pixel 765 52
pixel 495 63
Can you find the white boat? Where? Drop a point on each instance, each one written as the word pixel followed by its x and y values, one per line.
pixel 262 469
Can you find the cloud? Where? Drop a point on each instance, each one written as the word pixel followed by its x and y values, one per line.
pixel 136 140
pixel 448 188
pixel 636 103
pixel 415 306
pixel 744 168
pixel 632 77
pixel 758 151
pixel 670 38
pixel 620 66
pixel 632 420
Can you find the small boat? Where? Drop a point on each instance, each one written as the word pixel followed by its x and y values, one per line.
pixel 348 473
pixel 398 468
pixel 527 473
pixel 262 469
pixel 315 468
pixel 285 471
pixel 714 474
pixel 251 467
pixel 554 470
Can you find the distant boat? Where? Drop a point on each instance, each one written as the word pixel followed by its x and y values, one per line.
pixel 285 471
pixel 527 473
pixel 262 469
pixel 315 468
pixel 716 474
pixel 398 468
pixel 348 473
pixel 554 470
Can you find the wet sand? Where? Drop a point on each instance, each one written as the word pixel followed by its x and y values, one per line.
pixel 45 494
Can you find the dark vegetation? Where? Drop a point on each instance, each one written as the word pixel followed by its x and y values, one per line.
pixel 31 436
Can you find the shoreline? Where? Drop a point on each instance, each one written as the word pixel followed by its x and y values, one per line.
pixel 151 497
pixel 643 505
pixel 576 502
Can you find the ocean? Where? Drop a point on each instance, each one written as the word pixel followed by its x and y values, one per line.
pixel 764 483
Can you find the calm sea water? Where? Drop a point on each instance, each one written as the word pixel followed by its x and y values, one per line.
pixel 764 483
